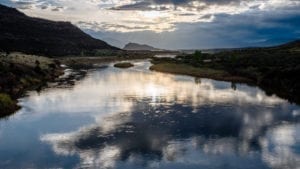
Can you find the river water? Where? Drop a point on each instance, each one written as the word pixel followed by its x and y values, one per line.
pixel 135 119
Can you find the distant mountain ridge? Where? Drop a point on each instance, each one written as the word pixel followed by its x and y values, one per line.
pixel 136 46
pixel 22 33
pixel 292 45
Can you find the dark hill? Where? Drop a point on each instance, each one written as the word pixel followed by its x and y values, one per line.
pixel 22 33
pixel 136 46
pixel 291 45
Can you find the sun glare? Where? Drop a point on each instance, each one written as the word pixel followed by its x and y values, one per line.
pixel 154 91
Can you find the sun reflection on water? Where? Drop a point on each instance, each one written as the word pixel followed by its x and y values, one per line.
pixel 143 119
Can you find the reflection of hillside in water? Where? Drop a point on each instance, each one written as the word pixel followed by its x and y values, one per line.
pixel 145 119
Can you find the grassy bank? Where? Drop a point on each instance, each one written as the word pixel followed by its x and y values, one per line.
pixel 19 73
pixel 274 69
pixel 90 62
pixel 7 105
pixel 185 69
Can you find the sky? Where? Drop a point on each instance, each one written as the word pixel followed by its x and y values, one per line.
pixel 176 24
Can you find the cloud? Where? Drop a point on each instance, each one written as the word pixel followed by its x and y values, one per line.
pixel 173 4
pixel 224 31
pixel 181 23
pixel 164 14
pixel 36 4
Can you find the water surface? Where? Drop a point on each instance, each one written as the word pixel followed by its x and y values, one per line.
pixel 136 119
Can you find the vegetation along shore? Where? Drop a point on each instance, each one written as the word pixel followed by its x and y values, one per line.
pixel 21 72
pixel 274 69
pixel 123 65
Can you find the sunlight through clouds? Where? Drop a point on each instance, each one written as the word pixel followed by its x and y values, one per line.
pixel 175 24
pixel 157 15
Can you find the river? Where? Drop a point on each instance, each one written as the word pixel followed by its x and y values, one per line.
pixel 137 119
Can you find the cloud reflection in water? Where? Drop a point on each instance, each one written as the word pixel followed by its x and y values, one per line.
pixel 152 120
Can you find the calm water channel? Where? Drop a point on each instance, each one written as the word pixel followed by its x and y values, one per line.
pixel 137 119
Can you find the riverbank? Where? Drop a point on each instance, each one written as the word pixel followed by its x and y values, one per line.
pixel 283 84
pixel 275 69
pixel 20 73
pixel 78 62
pixel 185 69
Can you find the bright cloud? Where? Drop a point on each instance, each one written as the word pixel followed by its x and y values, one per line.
pixel 156 15
pixel 175 24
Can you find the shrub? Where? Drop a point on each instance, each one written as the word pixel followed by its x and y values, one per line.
pixel 198 57
pixel 7 105
pixel 123 65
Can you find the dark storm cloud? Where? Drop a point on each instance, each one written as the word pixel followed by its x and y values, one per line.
pixel 145 4
pixel 24 4
pixel 135 6
pixel 5 2
pixel 31 4
pixel 109 26
pixel 181 2
pixel 226 31
pixel 206 16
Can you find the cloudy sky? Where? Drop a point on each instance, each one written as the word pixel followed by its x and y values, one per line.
pixel 176 24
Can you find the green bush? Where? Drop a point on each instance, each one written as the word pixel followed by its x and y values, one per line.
pixel 6 104
pixel 198 57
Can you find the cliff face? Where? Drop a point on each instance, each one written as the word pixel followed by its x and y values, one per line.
pixel 22 33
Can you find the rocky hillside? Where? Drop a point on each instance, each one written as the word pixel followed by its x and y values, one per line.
pixel 22 33
pixel 136 46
